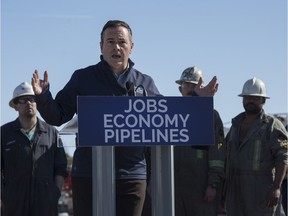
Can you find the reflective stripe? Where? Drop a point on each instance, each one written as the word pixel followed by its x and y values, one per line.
pixel 256 155
pixel 216 163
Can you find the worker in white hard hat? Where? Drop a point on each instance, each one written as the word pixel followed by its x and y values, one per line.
pixel 256 156
pixel 33 167
pixel 189 79
pixel 198 170
pixel 24 89
pixel 193 75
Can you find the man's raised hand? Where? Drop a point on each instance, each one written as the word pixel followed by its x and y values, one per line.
pixel 39 85
pixel 208 90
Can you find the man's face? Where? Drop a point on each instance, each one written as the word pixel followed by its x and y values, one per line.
pixel 253 104
pixel 26 106
pixel 187 88
pixel 116 47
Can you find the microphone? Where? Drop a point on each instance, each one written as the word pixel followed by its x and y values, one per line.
pixel 130 88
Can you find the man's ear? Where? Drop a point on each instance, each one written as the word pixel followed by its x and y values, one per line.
pixel 180 89
pixel 131 48
pixel 101 45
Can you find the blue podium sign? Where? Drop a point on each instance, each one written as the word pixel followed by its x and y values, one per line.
pixel 136 121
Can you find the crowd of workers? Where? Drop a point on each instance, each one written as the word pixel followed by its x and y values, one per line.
pixel 241 173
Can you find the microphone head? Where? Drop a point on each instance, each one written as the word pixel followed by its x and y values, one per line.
pixel 130 88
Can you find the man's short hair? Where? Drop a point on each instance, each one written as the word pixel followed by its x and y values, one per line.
pixel 113 24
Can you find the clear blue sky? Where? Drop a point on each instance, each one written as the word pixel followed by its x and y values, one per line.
pixel 234 40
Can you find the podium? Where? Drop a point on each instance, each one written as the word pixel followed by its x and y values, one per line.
pixel 159 122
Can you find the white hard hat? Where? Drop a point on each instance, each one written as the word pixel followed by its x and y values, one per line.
pixel 21 90
pixel 254 87
pixel 191 75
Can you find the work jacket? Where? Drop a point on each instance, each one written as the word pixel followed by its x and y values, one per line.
pixel 98 80
pixel 250 165
pixel 28 170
